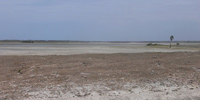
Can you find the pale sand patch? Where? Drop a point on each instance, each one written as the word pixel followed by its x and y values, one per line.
pixel 140 93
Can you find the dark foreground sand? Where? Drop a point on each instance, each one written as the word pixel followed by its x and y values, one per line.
pixel 136 76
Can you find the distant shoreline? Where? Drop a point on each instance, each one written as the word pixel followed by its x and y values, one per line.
pixel 77 41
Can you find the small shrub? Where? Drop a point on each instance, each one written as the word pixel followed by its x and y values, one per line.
pixel 177 44
pixel 149 44
pixel 154 44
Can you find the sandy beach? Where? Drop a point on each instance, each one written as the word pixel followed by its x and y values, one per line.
pixel 99 72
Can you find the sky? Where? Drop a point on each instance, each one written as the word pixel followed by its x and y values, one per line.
pixel 100 20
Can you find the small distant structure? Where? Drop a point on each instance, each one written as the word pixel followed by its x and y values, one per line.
pixel 171 39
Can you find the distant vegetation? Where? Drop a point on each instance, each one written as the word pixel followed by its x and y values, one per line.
pixel 41 41
pixel 151 44
pixel 28 41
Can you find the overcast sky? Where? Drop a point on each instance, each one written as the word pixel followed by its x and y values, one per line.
pixel 100 20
